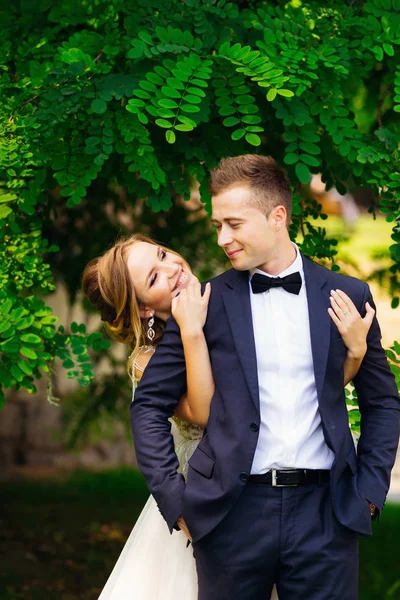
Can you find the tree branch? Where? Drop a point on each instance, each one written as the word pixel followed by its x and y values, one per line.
pixel 380 105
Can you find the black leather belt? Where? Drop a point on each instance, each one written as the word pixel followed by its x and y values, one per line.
pixel 291 477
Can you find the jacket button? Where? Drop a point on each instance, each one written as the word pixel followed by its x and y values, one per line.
pixel 254 427
pixel 244 477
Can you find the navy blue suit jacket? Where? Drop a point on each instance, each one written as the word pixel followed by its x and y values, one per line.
pixel 220 465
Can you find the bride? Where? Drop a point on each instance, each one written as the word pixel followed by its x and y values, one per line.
pixel 136 286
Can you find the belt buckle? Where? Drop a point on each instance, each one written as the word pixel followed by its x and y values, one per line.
pixel 279 485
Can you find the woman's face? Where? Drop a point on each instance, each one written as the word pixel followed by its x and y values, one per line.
pixel 157 275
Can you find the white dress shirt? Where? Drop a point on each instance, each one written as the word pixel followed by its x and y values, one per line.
pixel 290 433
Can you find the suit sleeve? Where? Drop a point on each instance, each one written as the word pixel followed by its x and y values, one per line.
pixel 162 385
pixel 378 401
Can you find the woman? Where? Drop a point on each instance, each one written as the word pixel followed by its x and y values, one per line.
pixel 136 286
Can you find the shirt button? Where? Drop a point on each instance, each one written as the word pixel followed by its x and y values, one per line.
pixel 254 427
pixel 244 477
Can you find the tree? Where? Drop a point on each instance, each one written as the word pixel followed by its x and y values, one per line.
pixel 147 96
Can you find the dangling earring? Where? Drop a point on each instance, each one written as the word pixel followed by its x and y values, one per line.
pixel 150 331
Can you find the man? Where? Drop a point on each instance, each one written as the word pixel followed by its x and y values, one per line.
pixel 275 490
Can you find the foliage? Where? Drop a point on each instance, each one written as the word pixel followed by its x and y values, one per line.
pixel 146 97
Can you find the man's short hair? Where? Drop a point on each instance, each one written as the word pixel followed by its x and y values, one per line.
pixel 268 183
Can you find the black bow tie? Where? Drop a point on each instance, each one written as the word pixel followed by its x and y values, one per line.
pixel 291 283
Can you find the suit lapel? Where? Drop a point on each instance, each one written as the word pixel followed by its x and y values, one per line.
pixel 320 321
pixel 238 308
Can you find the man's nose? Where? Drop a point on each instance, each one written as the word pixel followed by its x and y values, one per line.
pixel 224 237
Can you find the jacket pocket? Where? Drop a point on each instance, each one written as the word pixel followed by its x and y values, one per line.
pixel 202 463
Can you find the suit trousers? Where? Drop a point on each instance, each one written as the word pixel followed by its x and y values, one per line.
pixel 288 536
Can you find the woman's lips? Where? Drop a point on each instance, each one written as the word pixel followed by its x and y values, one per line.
pixel 181 279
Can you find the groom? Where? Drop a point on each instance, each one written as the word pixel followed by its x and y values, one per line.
pixel 275 490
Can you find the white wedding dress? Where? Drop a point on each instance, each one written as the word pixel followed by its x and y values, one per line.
pixel 154 564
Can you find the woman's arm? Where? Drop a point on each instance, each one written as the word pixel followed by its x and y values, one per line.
pixel 190 311
pixel 353 330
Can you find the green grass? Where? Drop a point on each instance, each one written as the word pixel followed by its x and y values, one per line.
pixel 60 539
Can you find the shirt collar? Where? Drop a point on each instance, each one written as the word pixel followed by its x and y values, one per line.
pixel 297 265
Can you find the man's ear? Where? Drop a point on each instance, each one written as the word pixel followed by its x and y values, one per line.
pixel 145 312
pixel 279 216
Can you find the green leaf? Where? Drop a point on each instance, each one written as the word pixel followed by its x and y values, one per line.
pixel 170 136
pixel 378 52
pixel 165 113
pixel 16 373
pixel 254 129
pixel 68 363
pixel 25 322
pixel 196 91
pixel 186 120
pixel 4 326
pixel 143 35
pixel 285 93
pixel 291 158
pixel 154 78
pixel 253 139
pixel 49 320
pixel 28 352
pixel 190 108
pixel 5 211
pixel 311 161
pixel 6 306
pixel 251 119
pixel 303 173
pixel 147 86
pixel 25 367
pixel 238 134
pixel 192 99
pixel 272 94
pixel 163 123
pixel 388 48
pixel 309 148
pixel 7 198
pixel 99 106
pixel 184 127
pixel 231 121
pixel 30 338
pixel 142 94
pixel 167 103
pixel 170 92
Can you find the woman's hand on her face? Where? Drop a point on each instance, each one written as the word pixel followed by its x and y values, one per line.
pixel 189 308
pixel 351 326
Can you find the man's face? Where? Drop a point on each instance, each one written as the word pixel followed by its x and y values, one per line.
pixel 246 235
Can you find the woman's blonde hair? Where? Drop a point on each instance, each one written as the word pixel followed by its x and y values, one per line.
pixel 107 283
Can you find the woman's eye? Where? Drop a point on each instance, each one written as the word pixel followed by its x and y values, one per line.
pixel 153 279
pixel 163 254
pixel 235 225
